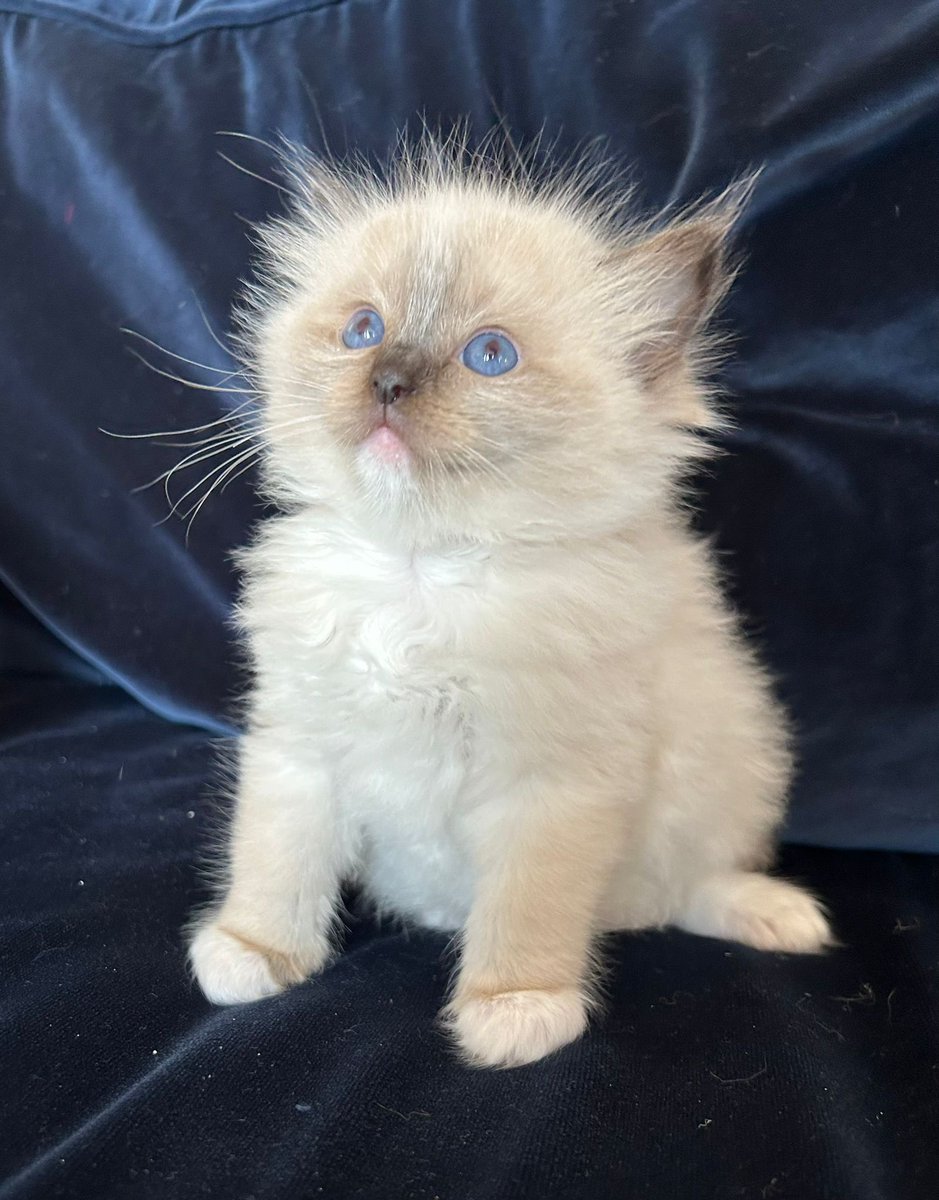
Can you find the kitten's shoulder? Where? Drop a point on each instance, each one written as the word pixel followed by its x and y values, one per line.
pixel 289 542
pixel 288 567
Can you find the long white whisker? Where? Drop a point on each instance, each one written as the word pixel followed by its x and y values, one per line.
pixel 206 448
pixel 130 437
pixel 241 427
pixel 227 372
pixel 192 460
pixel 253 174
pixel 240 459
pixel 248 137
pixel 176 505
pixel 238 474
pixel 213 387
pixel 202 387
pixel 211 332
pixel 226 443
pixel 220 472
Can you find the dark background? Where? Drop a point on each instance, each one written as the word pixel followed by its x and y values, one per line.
pixel 718 1071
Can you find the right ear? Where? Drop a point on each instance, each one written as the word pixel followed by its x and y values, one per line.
pixel 678 275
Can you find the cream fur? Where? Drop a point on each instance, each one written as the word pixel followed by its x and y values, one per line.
pixel 495 683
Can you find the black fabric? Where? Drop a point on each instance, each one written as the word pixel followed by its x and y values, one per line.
pixel 717 1072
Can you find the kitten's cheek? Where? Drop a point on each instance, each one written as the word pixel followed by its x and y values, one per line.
pixel 385 446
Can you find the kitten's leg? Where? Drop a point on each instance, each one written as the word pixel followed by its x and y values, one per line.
pixel 286 859
pixel 522 991
pixel 722 771
pixel 758 910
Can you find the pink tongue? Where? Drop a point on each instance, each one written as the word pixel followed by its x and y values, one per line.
pixel 385 444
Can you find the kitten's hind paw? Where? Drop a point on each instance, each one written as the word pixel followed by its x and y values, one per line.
pixel 234 970
pixel 760 911
pixel 509 1029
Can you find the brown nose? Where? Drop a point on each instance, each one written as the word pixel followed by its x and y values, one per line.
pixel 390 385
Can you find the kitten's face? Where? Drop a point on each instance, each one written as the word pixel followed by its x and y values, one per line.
pixel 459 362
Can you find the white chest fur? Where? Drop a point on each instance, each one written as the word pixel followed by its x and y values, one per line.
pixel 372 647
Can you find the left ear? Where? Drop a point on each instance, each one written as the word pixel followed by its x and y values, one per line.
pixel 676 277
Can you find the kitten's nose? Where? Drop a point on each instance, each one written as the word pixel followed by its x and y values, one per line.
pixel 390 385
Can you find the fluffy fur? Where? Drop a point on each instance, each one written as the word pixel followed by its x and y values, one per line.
pixel 495 681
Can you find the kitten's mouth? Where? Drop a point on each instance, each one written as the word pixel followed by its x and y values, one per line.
pixel 386 444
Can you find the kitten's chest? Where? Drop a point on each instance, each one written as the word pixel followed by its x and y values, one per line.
pixel 389 635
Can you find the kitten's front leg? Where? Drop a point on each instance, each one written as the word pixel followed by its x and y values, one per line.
pixel 523 989
pixel 285 861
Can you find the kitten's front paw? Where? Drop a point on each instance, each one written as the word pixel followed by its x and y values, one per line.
pixel 234 970
pixel 509 1029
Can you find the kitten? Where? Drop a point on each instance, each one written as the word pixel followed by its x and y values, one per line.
pixel 495 681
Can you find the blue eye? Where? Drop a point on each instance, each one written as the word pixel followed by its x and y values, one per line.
pixel 489 353
pixel 363 329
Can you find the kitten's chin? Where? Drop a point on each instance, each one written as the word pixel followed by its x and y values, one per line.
pixel 385 464
pixel 384 446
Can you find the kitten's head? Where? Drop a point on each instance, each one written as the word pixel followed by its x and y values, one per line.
pixel 455 350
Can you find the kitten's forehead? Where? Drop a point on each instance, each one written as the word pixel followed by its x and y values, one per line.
pixel 455 260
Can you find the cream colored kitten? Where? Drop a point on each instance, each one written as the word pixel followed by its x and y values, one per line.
pixel 495 680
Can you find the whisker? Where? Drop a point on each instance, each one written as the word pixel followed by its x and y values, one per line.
pixel 255 393
pixel 186 464
pixel 192 460
pixel 248 137
pixel 253 174
pixel 211 332
pixel 180 357
pixel 202 387
pixel 308 88
pixel 130 437
pixel 220 472
pixel 248 454
pixel 238 474
pixel 243 427
pixel 176 505
pixel 224 443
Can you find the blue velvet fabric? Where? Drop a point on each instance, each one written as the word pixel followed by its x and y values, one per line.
pixel 719 1072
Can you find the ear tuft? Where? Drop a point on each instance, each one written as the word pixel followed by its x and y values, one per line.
pixel 678 275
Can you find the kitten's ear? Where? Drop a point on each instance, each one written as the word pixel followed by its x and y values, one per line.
pixel 677 276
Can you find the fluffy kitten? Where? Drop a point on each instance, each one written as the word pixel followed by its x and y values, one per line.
pixel 495 681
